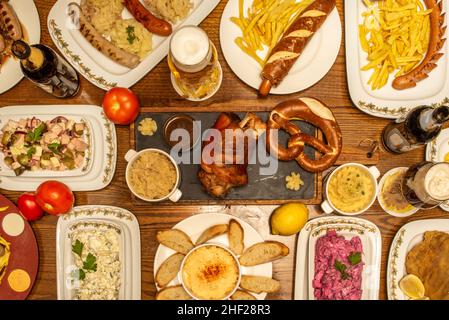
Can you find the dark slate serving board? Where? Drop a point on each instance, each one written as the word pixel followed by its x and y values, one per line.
pixel 261 189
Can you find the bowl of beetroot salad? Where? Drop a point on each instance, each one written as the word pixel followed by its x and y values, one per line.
pixel 338 267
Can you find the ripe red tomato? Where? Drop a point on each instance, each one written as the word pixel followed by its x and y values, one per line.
pixel 29 208
pixel 55 197
pixel 121 106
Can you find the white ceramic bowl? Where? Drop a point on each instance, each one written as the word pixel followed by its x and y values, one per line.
pixel 327 205
pixel 133 155
pixel 237 283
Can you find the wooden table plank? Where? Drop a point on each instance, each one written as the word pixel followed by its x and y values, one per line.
pixel 155 90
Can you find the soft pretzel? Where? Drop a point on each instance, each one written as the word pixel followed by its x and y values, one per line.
pixel 315 113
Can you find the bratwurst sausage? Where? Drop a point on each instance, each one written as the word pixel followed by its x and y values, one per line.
pixel 11 22
pixel 147 19
pixel 96 39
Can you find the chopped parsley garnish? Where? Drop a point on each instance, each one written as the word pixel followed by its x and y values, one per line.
pixel 36 134
pixel 89 264
pixel 31 151
pixel 54 147
pixel 341 267
pixel 131 34
pixel 355 258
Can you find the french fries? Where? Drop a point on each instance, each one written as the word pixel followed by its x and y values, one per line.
pixel 264 23
pixel 395 34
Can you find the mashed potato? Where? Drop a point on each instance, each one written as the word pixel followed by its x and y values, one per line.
pixel 103 13
pixel 132 37
pixel 171 10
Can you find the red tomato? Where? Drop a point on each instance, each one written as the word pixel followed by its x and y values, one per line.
pixel 55 197
pixel 121 106
pixel 29 208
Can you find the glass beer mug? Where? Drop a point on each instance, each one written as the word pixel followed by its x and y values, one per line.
pixel 193 61
pixel 426 185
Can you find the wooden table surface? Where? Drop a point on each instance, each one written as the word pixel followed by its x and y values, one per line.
pixel 155 90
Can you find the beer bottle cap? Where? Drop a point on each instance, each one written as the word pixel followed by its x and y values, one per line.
pixel 21 49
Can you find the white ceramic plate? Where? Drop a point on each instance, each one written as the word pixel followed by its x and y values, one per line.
pixel 10 72
pixel 379 198
pixel 99 69
pixel 370 238
pixel 100 167
pixel 406 238
pixel 195 226
pixel 302 251
pixel 100 217
pixel 316 60
pixel 436 152
pixel 388 102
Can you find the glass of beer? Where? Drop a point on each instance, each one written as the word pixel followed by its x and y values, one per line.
pixel 426 185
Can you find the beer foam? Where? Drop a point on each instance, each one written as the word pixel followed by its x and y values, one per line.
pixel 190 46
pixel 437 181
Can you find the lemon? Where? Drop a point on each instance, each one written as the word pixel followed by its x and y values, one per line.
pixel 412 287
pixel 446 157
pixel 289 219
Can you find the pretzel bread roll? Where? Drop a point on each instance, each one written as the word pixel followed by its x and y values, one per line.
pixel 293 42
pixel 316 113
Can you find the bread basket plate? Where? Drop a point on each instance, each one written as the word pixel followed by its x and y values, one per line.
pixel 100 217
pixel 195 226
pixel 406 238
pixel 314 63
pixel 10 72
pixel 100 163
pixel 301 289
pixel 101 70
pixel 388 102
pixel 370 238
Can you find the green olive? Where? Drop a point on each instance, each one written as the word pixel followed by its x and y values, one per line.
pixel 69 162
pixel 19 171
pixel 9 161
pixel 46 155
pixel 6 138
pixel 23 159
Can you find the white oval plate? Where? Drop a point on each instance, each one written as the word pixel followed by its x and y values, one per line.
pixel 314 63
pixel 379 198
pixel 371 256
pixel 388 102
pixel 406 238
pixel 195 226
pixel 435 152
pixel 10 72
pixel 302 250
pixel 101 70
pixel 103 149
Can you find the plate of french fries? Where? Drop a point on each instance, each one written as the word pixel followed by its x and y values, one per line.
pixel 384 40
pixel 250 29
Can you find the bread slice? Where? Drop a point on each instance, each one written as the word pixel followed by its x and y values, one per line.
pixel 258 284
pixel 242 295
pixel 263 252
pixel 173 293
pixel 236 237
pixel 211 233
pixel 175 239
pixel 169 269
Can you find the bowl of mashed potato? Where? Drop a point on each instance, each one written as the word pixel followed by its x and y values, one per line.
pixel 351 189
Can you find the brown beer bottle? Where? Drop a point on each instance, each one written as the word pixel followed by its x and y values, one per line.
pixel 422 125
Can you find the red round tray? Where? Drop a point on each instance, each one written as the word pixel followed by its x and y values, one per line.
pixel 24 254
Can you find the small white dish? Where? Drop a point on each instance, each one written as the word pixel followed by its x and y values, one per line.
pixel 379 196
pixel 371 256
pixel 317 59
pixel 132 155
pixel 301 285
pixel 103 154
pixel 236 260
pixel 195 225
pixel 10 72
pixel 327 205
pixel 388 102
pixel 101 70
pixel 100 217
pixel 406 238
